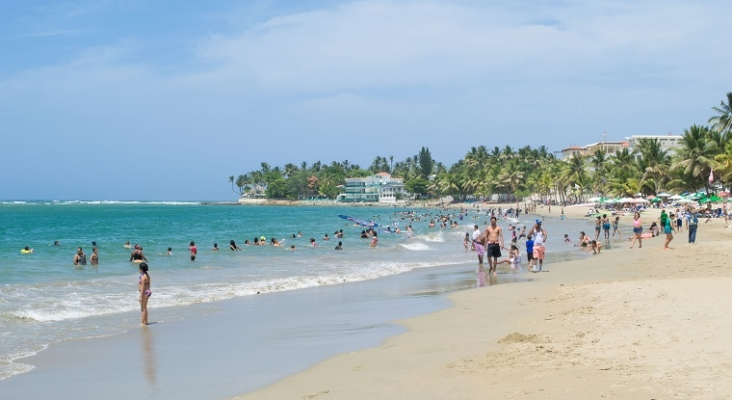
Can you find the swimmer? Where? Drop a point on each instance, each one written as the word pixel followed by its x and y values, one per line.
pixel 312 243
pixel 374 241
pixel 79 257
pixel 94 260
pixel 26 250
pixel 340 246
pixel 292 248
pixel 216 247
pixel 170 251
pixel 326 237
pixel 137 255
pixel 143 286
pixel 127 244
pixel 56 243
pixel 194 250
pixel 233 246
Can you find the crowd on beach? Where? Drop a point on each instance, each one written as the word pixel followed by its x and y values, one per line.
pixel 488 243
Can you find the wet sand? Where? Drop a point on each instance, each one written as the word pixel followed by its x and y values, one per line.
pixel 626 324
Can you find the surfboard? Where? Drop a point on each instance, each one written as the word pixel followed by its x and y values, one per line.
pixel 359 221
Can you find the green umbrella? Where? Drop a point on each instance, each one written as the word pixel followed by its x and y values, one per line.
pixel 655 200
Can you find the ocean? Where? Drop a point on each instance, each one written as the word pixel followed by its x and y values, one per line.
pixel 46 301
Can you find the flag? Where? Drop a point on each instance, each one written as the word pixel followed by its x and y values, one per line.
pixel 711 175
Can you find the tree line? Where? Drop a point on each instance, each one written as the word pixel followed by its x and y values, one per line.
pixel 514 173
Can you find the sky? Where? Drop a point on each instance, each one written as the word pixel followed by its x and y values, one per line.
pixel 165 99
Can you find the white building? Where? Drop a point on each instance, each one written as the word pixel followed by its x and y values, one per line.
pixel 381 188
pixel 669 142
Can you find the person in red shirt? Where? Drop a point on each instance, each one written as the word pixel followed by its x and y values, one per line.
pixel 194 250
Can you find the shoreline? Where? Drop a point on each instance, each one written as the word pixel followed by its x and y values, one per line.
pixel 624 325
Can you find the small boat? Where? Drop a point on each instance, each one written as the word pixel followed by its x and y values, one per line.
pixel 359 221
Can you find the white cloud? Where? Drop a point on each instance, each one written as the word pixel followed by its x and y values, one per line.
pixel 385 44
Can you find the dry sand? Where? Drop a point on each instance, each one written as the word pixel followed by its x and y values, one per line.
pixel 625 324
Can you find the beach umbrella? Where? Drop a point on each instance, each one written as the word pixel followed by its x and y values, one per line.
pixel 609 201
pixel 638 201
pixel 664 194
pixel 626 200
pixel 594 199
pixel 723 194
pixel 655 200
pixel 651 197
pixel 676 197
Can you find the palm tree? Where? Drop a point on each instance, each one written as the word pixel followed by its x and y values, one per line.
pixel 241 182
pixel 574 174
pixel 654 162
pixel 231 180
pixel 695 156
pixel 724 163
pixel 290 170
pixel 723 122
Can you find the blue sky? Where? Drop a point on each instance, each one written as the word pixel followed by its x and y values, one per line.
pixel 163 100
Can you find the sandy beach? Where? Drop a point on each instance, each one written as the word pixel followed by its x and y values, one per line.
pixel 629 324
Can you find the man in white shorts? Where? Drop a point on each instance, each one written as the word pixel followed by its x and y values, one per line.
pixel 539 239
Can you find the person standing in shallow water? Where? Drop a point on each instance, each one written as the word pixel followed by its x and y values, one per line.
pixel 194 250
pixel 79 257
pixel 143 286
pixel 494 244
pixel 540 237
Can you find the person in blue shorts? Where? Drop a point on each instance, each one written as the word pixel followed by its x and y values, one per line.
pixel 530 250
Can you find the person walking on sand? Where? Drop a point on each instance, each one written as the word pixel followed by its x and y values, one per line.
pixel 616 224
pixel 669 231
pixel 494 240
pixel 143 286
pixel 637 231
pixel 540 237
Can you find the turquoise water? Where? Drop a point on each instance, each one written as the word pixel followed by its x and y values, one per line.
pixel 45 299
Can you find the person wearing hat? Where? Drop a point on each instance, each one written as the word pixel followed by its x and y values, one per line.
pixel 540 236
